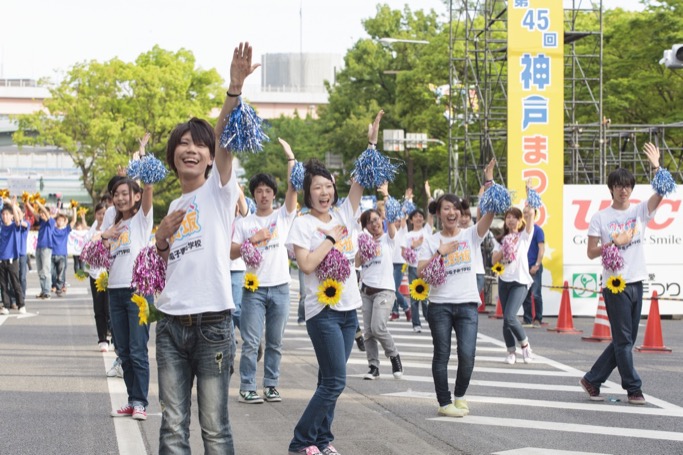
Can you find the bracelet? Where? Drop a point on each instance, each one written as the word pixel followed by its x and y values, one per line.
pixel 291 159
pixel 161 250
pixel 373 145
pixel 488 183
pixel 656 169
pixel 331 239
pixel 233 96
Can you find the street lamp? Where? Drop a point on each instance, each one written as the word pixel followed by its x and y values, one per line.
pixel 398 40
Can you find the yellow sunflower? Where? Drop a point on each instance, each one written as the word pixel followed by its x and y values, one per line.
pixel 74 203
pixel 419 289
pixel 102 282
pixel 616 284
pixel 329 292
pixel 251 282
pixel 404 268
pixel 498 268
pixel 148 313
pixel 81 275
pixel 82 211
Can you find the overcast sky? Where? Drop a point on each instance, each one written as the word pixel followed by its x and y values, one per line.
pixel 43 38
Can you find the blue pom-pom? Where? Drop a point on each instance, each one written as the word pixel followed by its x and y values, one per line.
pixel 297 177
pixel 251 205
pixel 392 209
pixel 152 170
pixel 243 131
pixel 408 207
pixel 663 183
pixel 373 169
pixel 533 199
pixel 496 199
pixel 133 170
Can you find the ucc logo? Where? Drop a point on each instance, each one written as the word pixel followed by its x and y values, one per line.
pixel 666 213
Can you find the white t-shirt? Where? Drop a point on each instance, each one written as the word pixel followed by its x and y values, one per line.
pixel 461 277
pixel 399 241
pixel 424 233
pixel 305 233
pixel 94 272
pixel 124 249
pixel 518 270
pixel 610 222
pixel 378 272
pixel 274 268
pixel 198 270
pixel 237 265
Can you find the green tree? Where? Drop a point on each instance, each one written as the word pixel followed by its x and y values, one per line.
pixel 97 113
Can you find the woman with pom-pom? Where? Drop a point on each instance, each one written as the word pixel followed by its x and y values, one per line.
pixel 375 254
pixel 420 231
pixel 330 304
pixel 622 225
pixel 454 303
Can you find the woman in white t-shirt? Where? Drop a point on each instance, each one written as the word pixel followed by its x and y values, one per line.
pixel 415 239
pixel 331 327
pixel 515 281
pixel 130 233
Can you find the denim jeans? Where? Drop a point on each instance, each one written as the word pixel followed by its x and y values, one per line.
pixel 512 296
pixel 443 319
pixel 59 272
pixel 100 306
pixel 78 263
pixel 415 304
pixel 269 306
pixel 398 279
pixel 23 271
pixel 205 352
pixel 332 334
pixel 237 280
pixel 301 311
pixel 44 266
pixel 623 311
pixel 376 312
pixel 481 281
pixel 538 298
pixel 131 343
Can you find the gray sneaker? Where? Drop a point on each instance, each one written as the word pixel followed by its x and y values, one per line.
pixel 115 371
pixel 272 395
pixel 249 396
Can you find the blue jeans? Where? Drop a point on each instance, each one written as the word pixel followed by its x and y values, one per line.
pixel 237 280
pixel 443 319
pixel 131 343
pixel 23 271
pixel 59 272
pixel 332 333
pixel 415 304
pixel 269 305
pixel 512 296
pixel 623 311
pixel 301 311
pixel 481 281
pixel 538 298
pixel 205 352
pixel 44 266
pixel 400 300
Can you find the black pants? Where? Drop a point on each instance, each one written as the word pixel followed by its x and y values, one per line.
pixel 100 305
pixel 9 280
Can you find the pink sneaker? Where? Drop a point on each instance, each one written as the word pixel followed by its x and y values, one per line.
pixel 310 450
pixel 123 411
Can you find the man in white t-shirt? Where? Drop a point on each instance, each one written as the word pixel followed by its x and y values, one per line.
pixel 622 224
pixel 268 304
pixel 195 336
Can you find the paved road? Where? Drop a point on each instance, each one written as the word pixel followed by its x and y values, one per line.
pixel 55 398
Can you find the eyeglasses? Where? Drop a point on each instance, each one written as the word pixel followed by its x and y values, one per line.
pixel 621 188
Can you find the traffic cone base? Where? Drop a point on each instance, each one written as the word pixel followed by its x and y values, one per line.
pixel 654 341
pixel 601 329
pixel 565 322
pixel 404 288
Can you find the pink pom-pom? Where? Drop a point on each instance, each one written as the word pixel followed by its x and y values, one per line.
pixel 149 272
pixel 251 255
pixel 410 256
pixel 335 266
pixel 510 247
pixel 96 255
pixel 611 258
pixel 367 248
pixel 435 272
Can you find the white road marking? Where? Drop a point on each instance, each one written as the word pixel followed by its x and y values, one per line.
pixel 544 451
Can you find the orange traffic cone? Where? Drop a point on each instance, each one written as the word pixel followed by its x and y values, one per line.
pixel 565 322
pixel 482 307
pixel 404 288
pixel 499 311
pixel 601 327
pixel 654 342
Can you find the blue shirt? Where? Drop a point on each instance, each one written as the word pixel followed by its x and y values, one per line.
pixel 8 241
pixel 60 238
pixel 536 238
pixel 22 238
pixel 45 233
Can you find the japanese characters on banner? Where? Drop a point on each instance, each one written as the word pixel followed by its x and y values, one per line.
pixel 74 245
pixel 663 248
pixel 536 117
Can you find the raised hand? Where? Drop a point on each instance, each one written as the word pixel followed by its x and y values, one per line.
pixel 373 128
pixel 488 170
pixel 241 67
pixel 652 152
pixel 287 148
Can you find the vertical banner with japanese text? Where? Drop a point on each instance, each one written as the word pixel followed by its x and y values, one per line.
pixel 536 115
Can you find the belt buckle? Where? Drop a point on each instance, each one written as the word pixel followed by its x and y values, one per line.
pixel 185 319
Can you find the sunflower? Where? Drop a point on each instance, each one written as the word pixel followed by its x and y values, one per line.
pixel 148 313
pixel 329 292
pixel 616 284
pixel 81 275
pixel 251 282
pixel 102 282
pixel 419 289
pixel 498 268
pixel 82 211
pixel 74 203
pixel 404 268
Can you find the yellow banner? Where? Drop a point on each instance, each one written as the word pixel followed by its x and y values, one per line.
pixel 536 115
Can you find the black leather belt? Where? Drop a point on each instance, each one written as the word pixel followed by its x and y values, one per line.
pixel 188 320
pixel 370 290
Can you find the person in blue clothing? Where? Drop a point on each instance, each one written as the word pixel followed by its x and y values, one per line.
pixel 22 242
pixel 43 248
pixel 60 239
pixel 535 255
pixel 9 255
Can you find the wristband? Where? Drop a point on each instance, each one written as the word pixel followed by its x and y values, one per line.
pixel 161 250
pixel 291 159
pixel 233 95
pixel 331 239
pixel 373 145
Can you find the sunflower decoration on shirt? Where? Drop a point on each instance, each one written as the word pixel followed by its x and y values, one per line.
pixel 251 282
pixel 419 289
pixel 498 268
pixel 148 313
pixel 332 272
pixel 612 261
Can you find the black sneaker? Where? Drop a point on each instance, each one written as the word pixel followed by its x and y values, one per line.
pixel 592 391
pixel 396 366
pixel 360 342
pixel 272 395
pixel 636 398
pixel 372 374
pixel 249 396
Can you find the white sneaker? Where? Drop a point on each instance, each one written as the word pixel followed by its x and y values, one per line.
pixel 417 329
pixel 22 310
pixel 104 346
pixel 115 371
pixel 4 311
pixel 527 355
pixel 511 358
